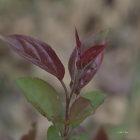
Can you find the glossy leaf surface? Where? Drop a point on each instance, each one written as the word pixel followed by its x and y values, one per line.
pixel 41 95
pixel 37 52
pixel 96 98
pixel 90 55
pixel 53 133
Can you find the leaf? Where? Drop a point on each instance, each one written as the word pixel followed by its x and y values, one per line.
pixel 78 43
pixel 79 137
pixel 61 121
pixel 41 95
pixel 101 135
pixel 53 133
pixel 76 54
pixel 80 110
pixel 90 55
pixel 91 60
pixel 31 135
pixel 91 70
pixel 96 98
pixel 37 52
pixel 72 66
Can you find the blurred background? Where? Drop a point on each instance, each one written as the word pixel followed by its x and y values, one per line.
pixel 53 21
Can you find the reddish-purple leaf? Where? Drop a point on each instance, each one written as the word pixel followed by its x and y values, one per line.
pixel 90 54
pixel 101 135
pixel 91 40
pixel 89 63
pixel 72 65
pixel 37 52
pixel 90 71
pixel 85 44
pixel 78 43
pixel 77 52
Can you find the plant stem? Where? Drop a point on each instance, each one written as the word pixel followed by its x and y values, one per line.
pixel 65 89
pixel 66 118
pixel 68 100
pixel 67 109
pixel 67 113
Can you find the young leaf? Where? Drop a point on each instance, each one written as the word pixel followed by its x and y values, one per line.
pixel 72 66
pixel 91 70
pixel 90 55
pixel 101 135
pixel 53 133
pixel 85 44
pixel 80 110
pixel 41 95
pixel 76 54
pixel 96 98
pixel 78 44
pixel 37 52
pixel 31 135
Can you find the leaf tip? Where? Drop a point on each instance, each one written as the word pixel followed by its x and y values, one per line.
pixel 78 42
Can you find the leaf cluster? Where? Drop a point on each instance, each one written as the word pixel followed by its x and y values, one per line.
pixel 84 62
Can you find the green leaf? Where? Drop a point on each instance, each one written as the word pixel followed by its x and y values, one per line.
pixel 80 110
pixel 58 122
pixel 79 137
pixel 41 95
pixel 64 110
pixel 96 98
pixel 76 124
pixel 53 133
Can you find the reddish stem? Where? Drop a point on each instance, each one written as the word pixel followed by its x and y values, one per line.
pixel 68 99
pixel 65 89
pixel 67 109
